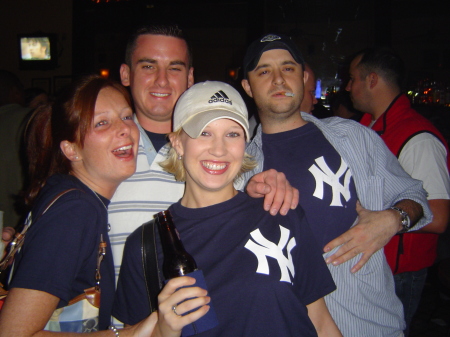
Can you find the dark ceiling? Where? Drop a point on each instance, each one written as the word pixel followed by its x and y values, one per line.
pixel 102 26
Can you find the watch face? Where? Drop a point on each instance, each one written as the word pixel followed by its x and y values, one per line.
pixel 405 221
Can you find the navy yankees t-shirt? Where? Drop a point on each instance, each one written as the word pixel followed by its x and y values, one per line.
pixel 315 168
pixel 59 255
pixel 261 270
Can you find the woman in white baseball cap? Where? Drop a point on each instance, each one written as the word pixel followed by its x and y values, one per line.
pixel 265 274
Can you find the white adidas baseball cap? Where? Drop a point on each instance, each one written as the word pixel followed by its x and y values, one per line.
pixel 208 101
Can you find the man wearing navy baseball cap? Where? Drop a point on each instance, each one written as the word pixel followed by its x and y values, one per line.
pixel 270 42
pixel 349 181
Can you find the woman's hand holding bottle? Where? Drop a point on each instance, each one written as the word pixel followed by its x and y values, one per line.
pixel 167 321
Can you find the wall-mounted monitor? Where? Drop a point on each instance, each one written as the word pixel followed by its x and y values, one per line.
pixel 37 51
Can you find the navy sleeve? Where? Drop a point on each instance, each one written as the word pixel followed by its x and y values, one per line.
pixel 131 302
pixel 58 247
pixel 312 278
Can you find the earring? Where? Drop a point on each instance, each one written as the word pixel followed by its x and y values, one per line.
pixel 180 157
pixel 76 157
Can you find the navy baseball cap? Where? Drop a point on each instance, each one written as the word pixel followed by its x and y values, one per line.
pixel 269 42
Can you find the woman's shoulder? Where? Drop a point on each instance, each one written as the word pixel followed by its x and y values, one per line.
pixel 60 183
pixel 63 192
pixel 135 238
pixel 65 181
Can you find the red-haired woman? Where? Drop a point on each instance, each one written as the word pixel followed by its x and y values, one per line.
pixel 84 144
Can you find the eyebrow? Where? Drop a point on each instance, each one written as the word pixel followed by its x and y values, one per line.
pixel 99 113
pixel 153 61
pixel 261 66
pixel 178 63
pixel 103 112
pixel 146 60
pixel 290 63
pixel 287 62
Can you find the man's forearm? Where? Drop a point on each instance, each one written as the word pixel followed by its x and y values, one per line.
pixel 441 216
pixel 414 210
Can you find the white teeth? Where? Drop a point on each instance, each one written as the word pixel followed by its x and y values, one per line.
pixel 159 94
pixel 212 166
pixel 289 94
pixel 123 148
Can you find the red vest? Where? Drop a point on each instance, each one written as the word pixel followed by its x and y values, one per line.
pixel 408 251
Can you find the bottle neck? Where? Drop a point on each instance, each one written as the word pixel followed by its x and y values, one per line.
pixel 169 236
pixel 177 261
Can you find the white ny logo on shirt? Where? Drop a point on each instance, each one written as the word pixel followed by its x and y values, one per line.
pixel 264 248
pixel 323 174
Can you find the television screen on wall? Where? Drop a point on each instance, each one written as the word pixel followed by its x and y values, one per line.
pixel 37 51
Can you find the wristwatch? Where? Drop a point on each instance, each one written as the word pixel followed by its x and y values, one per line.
pixel 405 221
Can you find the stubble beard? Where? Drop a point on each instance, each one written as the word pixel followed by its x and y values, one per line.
pixel 277 112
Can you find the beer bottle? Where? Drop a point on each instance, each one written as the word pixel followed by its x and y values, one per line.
pixel 177 261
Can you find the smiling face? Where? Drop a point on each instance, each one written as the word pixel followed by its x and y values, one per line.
pixel 109 153
pixel 276 74
pixel 159 74
pixel 212 161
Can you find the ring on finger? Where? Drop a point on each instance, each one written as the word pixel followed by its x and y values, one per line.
pixel 174 310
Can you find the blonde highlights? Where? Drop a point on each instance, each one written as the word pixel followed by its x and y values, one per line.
pixel 174 165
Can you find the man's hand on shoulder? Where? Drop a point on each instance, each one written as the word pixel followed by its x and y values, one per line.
pixel 279 195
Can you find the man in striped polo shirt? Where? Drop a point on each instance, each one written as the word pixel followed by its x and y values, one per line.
pixel 158 69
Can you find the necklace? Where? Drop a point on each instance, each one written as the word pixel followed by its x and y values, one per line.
pixel 101 201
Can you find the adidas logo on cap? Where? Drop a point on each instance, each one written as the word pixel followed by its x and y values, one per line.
pixel 220 96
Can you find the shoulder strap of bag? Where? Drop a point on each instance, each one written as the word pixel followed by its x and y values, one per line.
pixel 17 242
pixel 93 294
pixel 150 264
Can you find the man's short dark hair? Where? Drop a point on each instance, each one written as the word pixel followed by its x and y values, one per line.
pixel 383 61
pixel 165 30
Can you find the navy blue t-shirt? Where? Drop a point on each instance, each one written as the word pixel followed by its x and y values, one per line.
pixel 261 270
pixel 59 255
pixel 315 168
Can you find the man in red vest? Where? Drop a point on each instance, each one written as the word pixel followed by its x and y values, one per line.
pixel 375 89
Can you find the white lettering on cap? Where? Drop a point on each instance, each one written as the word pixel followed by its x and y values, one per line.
pixel 270 38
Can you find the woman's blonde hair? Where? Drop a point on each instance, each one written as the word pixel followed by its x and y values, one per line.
pixel 175 166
